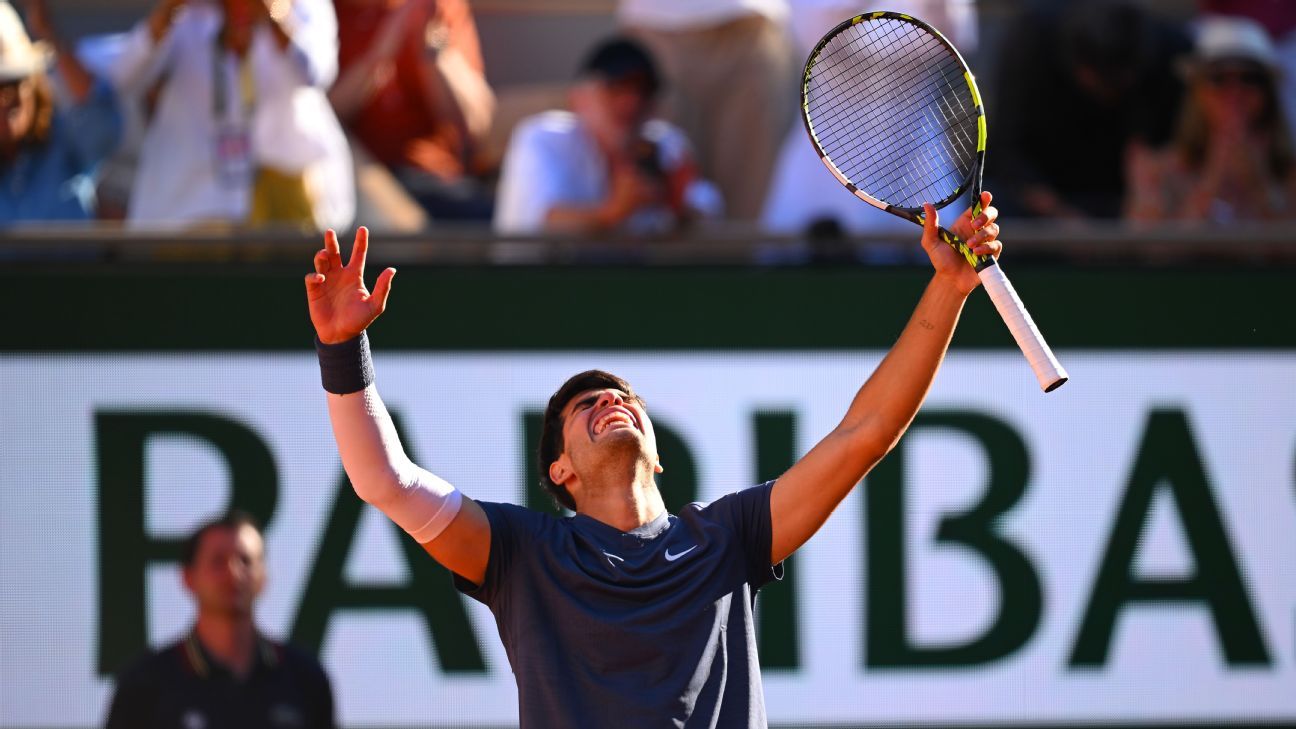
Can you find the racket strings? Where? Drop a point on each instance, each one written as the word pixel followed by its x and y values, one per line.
pixel 918 169
pixel 843 68
pixel 845 75
pixel 909 76
pixel 891 110
pixel 921 174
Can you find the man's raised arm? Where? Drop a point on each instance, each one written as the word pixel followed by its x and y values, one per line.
pixel 451 527
pixel 804 497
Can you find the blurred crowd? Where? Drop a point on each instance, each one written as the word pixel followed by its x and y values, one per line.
pixel 309 114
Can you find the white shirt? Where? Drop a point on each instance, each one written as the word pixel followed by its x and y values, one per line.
pixel 553 160
pixel 695 14
pixel 290 123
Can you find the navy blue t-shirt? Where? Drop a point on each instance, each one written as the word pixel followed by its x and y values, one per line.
pixel 648 628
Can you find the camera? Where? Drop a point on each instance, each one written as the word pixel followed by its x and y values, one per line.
pixel 646 158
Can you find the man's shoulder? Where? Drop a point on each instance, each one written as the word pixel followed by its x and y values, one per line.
pixel 152 663
pixel 291 657
pixel 758 491
pixel 515 515
pixel 739 505
pixel 551 125
pixel 660 130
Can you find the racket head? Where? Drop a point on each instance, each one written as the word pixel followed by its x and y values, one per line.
pixel 894 112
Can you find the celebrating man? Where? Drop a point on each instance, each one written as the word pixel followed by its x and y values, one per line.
pixel 624 614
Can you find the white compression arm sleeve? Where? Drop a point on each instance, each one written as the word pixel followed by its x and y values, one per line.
pixel 419 502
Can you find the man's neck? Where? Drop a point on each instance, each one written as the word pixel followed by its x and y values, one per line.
pixel 230 639
pixel 624 507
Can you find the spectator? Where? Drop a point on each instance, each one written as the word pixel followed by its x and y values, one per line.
pixel 1279 18
pixel 1232 157
pixel 1078 84
pixel 48 150
pixel 412 89
pixel 224 674
pixel 731 75
pixel 605 165
pixel 241 131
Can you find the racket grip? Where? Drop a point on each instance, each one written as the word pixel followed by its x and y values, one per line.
pixel 1048 370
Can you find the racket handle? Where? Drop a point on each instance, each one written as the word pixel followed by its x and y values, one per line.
pixel 1048 370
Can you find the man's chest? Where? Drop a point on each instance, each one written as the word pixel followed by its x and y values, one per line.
pixel 218 704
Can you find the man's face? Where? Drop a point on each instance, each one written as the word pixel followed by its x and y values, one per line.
pixel 599 425
pixel 614 110
pixel 17 109
pixel 228 571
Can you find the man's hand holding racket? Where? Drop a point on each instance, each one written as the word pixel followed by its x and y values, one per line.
pixel 340 305
pixel 980 233
pixel 895 115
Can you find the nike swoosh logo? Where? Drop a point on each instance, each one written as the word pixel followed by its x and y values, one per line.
pixel 672 557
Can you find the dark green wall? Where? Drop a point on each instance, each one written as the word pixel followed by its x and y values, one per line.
pixel 242 308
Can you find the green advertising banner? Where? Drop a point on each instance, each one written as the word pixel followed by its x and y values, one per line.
pixel 1118 552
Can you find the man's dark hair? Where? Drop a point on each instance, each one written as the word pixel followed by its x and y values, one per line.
pixel 231 520
pixel 551 435
pixel 622 59
pixel 1109 36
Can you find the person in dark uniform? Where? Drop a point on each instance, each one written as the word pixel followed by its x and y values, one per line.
pixel 623 615
pixel 224 673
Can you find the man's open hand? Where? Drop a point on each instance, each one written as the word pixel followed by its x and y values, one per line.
pixel 340 305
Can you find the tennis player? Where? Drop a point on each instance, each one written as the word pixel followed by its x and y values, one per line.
pixel 623 614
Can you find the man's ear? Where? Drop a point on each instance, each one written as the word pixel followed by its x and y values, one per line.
pixel 657 467
pixel 560 470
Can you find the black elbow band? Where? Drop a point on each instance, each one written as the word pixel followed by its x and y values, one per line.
pixel 345 367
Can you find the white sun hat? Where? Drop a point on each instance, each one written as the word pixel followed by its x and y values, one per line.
pixel 1230 38
pixel 19 56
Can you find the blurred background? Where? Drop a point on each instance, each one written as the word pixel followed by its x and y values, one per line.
pixel 626 184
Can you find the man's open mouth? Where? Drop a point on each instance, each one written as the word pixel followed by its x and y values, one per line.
pixel 613 418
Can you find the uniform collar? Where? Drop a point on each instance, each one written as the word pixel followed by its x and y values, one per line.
pixel 645 532
pixel 204 665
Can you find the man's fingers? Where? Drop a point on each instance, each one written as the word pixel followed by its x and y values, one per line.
pixel 359 250
pixel 989 232
pixel 332 248
pixel 989 248
pixel 314 282
pixel 321 261
pixel 382 288
pixel 931 220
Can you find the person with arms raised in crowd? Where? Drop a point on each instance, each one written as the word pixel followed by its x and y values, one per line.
pixel 52 136
pixel 412 91
pixel 241 132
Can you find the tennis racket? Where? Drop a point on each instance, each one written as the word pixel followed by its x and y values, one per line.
pixel 894 112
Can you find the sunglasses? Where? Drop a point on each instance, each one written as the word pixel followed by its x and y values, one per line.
pixel 1250 79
